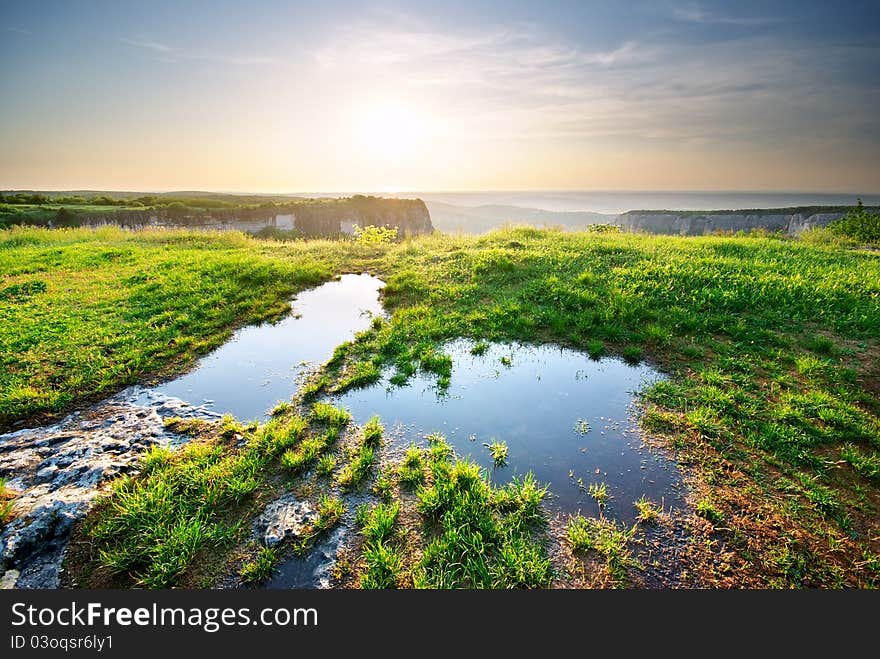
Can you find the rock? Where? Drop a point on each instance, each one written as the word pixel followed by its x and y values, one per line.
pixel 7 581
pixel 58 471
pixel 283 518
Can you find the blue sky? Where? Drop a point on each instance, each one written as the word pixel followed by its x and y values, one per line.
pixel 440 95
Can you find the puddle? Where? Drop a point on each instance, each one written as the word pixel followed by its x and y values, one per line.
pixel 258 366
pixel 58 470
pixel 563 416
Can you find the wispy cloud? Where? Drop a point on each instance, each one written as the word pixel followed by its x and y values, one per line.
pixel 694 13
pixel 155 46
pixel 176 54
pixel 18 30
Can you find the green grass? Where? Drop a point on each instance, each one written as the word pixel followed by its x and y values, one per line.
pixel 260 568
pixel 359 466
pixel 373 431
pixel 327 414
pixel 378 522
pixel 607 539
pixel 326 464
pixel 6 502
pixel 411 470
pixel 484 536
pixel 101 309
pixel 770 346
pixel 498 450
pixel 649 512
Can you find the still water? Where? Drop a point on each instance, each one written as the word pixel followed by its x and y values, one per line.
pixel 566 418
pixel 259 365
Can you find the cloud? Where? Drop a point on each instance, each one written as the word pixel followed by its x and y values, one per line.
pixel 155 46
pixel 518 83
pixel 695 14
pixel 18 30
pixel 176 54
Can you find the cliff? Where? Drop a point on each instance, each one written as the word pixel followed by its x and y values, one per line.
pixel 790 221
pixel 310 217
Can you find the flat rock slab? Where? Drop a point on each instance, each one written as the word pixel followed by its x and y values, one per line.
pixel 283 518
pixel 57 472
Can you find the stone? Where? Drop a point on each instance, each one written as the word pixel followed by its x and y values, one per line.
pixel 283 518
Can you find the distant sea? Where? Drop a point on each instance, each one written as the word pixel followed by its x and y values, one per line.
pixel 616 202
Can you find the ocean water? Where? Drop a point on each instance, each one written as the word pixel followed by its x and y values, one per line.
pixel 616 202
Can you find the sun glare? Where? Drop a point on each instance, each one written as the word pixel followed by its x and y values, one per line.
pixel 390 132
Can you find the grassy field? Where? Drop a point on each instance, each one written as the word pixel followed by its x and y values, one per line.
pixel 773 404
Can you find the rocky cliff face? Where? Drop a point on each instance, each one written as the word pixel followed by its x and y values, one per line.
pixel 314 217
pixel 789 221
pixel 334 216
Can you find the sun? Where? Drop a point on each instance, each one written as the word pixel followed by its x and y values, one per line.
pixel 390 132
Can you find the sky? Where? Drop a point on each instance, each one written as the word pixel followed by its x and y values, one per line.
pixel 272 96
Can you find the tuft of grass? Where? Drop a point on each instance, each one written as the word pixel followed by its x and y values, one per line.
pixel 378 522
pixel 383 567
pixel 599 492
pixel 373 431
pixel 595 349
pixel 327 414
pixel 707 509
pixel 259 569
pixel 6 503
pixel 498 450
pixel 330 511
pixel 313 387
pixel 384 486
pixel 326 464
pixel 487 537
pixel 283 408
pixel 358 468
pixel 866 464
pixel 649 512
pixel 607 539
pixel 411 470
pixel 632 355
pixel 479 348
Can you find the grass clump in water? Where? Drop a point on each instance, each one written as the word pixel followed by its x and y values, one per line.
pixel 485 537
pixel 607 539
pixel 260 568
pixel 649 512
pixel 373 431
pixel 498 450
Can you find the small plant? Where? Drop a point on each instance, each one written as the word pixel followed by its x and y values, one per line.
pixel 383 567
pixel 384 486
pixel 632 355
pixel 599 492
pixel 411 470
pixel 707 510
pixel 866 464
pixel 313 387
pixel 326 464
pixel 378 522
pixel 595 349
pixel 6 497
pixel 358 467
pixel 649 512
pixel 330 510
pixel 506 361
pixel 498 450
pixel 261 567
pixel 282 408
pixel 329 415
pixel 604 537
pixel 479 348
pixel 373 431
pixel 582 427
